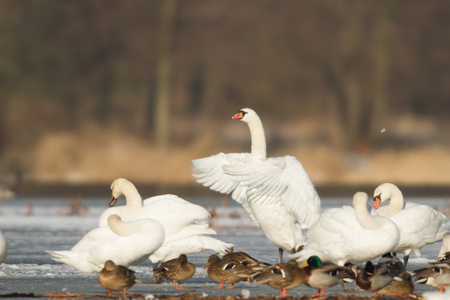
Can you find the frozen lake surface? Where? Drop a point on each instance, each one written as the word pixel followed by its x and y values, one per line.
pixel 32 226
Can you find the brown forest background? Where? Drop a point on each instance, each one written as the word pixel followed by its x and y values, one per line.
pixel 358 91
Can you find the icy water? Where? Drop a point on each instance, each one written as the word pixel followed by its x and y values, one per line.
pixel 32 226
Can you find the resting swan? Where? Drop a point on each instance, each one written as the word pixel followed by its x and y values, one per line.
pixel 171 211
pixel 349 234
pixel 276 192
pixel 125 243
pixel 419 225
pixel 184 223
pixel 3 248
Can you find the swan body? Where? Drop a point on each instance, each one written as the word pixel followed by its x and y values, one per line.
pixel 171 211
pixel 418 224
pixel 3 248
pixel 125 243
pixel 184 223
pixel 191 239
pixel 277 192
pixel 349 234
pixel 444 252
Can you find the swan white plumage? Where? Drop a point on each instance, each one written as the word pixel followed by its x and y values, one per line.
pixel 276 192
pixel 419 224
pixel 3 248
pixel 171 211
pixel 445 247
pixel 125 243
pixel 184 223
pixel 349 234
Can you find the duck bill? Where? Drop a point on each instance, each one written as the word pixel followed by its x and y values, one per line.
pixel 376 202
pixel 113 201
pixel 238 116
pixel 304 265
pixel 207 265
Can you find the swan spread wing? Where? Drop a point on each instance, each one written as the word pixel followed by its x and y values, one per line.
pixel 209 171
pixel 279 179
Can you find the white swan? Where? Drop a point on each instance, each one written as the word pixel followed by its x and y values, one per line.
pixel 419 225
pixel 445 247
pixel 190 240
pixel 125 243
pixel 3 248
pixel 184 222
pixel 171 211
pixel 349 234
pixel 276 192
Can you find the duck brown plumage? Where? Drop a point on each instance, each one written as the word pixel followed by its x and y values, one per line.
pixel 177 270
pixel 321 275
pixel 226 271
pixel 116 278
pixel 281 276
pixel 406 286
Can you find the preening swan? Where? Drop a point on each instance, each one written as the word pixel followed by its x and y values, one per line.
pixel 125 243
pixel 276 192
pixel 171 211
pixel 418 224
pixel 184 223
pixel 349 234
pixel 3 248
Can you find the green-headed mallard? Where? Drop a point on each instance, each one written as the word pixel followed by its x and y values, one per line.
pixel 281 276
pixel 226 271
pixel 177 270
pixel 116 278
pixel 321 275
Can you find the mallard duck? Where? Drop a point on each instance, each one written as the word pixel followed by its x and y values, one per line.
pixel 177 269
pixel 418 224
pixel 281 197
pixel 245 259
pixel 226 271
pixel 399 287
pixel 374 277
pixel 116 278
pixel 321 275
pixel 281 276
pixel 437 275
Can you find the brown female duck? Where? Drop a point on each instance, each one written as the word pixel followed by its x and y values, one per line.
pixel 177 270
pixel 281 276
pixel 116 278
pixel 226 271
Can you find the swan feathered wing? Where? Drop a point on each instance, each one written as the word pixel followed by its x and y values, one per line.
pixel 209 171
pixel 279 179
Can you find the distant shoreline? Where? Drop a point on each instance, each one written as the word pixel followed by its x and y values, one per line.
pixel 148 189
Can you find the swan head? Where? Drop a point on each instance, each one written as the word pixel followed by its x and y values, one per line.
pixel 384 192
pixel 246 115
pixel 116 189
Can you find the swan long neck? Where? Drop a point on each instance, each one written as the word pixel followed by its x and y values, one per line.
pixel 258 138
pixel 397 201
pixel 133 198
pixel 365 219
pixel 124 228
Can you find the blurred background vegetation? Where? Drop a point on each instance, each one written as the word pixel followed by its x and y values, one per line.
pixel 358 91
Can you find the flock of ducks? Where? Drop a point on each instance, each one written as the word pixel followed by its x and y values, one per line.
pixel 326 248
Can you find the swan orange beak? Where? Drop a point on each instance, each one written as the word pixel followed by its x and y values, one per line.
pixel 113 201
pixel 239 115
pixel 376 202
